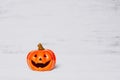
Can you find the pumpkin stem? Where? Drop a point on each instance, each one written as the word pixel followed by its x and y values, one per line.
pixel 40 47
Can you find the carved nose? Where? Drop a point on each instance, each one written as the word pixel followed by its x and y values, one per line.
pixel 40 59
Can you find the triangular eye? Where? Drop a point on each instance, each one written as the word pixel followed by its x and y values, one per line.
pixel 45 55
pixel 35 55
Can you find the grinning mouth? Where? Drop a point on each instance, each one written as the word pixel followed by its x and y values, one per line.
pixel 40 64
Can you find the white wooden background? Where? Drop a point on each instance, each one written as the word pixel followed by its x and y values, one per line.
pixel 84 34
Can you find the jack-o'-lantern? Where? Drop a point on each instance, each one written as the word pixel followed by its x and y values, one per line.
pixel 41 59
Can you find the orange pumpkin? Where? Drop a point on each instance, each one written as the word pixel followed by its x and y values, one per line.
pixel 41 59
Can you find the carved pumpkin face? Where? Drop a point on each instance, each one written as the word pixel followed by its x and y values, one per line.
pixel 41 60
